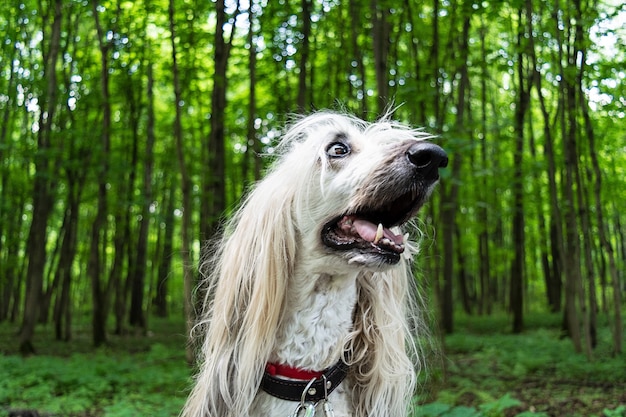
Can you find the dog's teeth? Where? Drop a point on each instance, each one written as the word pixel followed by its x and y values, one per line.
pixel 379 233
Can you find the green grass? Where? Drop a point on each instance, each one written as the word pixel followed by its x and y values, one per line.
pixel 484 371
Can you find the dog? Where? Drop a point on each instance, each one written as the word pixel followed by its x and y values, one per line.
pixel 309 304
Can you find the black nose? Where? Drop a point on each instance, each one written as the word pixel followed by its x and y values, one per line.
pixel 427 159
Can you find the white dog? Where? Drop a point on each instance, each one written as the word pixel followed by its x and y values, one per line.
pixel 309 300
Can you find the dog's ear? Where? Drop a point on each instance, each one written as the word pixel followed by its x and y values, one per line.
pixel 383 346
pixel 247 280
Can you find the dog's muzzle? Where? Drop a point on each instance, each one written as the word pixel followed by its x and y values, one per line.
pixel 390 199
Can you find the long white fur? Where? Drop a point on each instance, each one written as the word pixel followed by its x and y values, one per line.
pixel 275 293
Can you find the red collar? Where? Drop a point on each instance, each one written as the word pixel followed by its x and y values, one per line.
pixel 318 385
pixel 275 369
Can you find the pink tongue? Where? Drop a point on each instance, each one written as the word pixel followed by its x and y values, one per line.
pixel 367 231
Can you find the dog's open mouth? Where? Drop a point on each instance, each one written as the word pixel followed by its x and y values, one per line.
pixel 369 230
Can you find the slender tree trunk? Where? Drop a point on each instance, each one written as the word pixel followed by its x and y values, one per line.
pixel 605 243
pixel 463 275
pixel 137 266
pixel 572 244
pixel 305 49
pixel 539 200
pixel 12 262
pixel 380 40
pixel 123 281
pixel 418 104
pixel 64 271
pixel 116 285
pixel 252 147
pixel 7 277
pixel 355 19
pixel 518 237
pixel 450 192
pixel 42 192
pixel 96 263
pixel 553 276
pixel 167 249
pixel 434 59
pixel 483 210
pixel 185 188
pixel 214 190
pixel 597 176
pixel 144 222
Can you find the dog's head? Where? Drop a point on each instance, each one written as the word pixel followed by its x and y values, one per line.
pixel 368 180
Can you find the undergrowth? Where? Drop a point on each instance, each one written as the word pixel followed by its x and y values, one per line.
pixel 131 376
pixel 488 372
pixel 483 371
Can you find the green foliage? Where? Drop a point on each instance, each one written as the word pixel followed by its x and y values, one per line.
pixel 105 382
pixel 491 373
pixel 488 374
pixel 493 408
pixel 617 412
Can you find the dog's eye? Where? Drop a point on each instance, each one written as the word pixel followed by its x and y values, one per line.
pixel 337 150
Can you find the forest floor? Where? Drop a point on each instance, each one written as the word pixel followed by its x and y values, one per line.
pixel 487 371
pixel 481 371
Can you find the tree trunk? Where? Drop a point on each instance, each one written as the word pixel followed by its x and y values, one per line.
pixel 165 263
pixel 8 278
pixel 42 193
pixel 450 191
pixel 462 274
pixel 355 28
pixel 553 274
pixel 64 270
pixel 144 222
pixel 380 40
pixel 137 255
pixel 213 202
pixel 518 237
pixel 185 187
pixel 484 268
pixel 96 263
pixel 116 285
pixel 253 150
pixel 605 243
pixel 303 88
pixel 572 244
pixel 543 232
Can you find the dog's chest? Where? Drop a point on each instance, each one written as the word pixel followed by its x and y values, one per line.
pixel 317 322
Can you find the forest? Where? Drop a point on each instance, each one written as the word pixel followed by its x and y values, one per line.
pixel 129 130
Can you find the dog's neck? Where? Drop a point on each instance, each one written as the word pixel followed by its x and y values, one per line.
pixel 317 320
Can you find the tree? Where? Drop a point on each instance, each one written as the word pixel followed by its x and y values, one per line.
pixel 380 41
pixel 450 192
pixel 95 266
pixel 521 109
pixel 303 85
pixel 43 186
pixel 214 195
